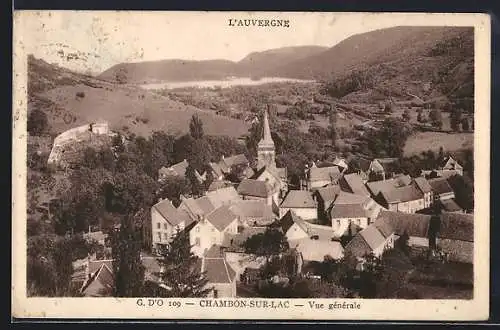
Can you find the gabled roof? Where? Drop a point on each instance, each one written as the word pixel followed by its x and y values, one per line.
pixel 328 193
pixel 349 198
pixel 221 217
pixel 457 226
pixel 377 186
pixel 168 212
pixel 402 194
pixel 94 265
pixel 358 246
pixel 342 211
pixel 331 173
pixel 223 196
pixel 382 164
pixel 414 224
pixel 100 283
pixel 298 199
pixel 253 209
pixel 449 205
pixel 423 184
pixel 256 188
pixel 215 266
pixel 450 164
pixel 355 184
pixel 178 169
pixel 440 186
pixel 373 237
pixel 290 218
pixel 316 250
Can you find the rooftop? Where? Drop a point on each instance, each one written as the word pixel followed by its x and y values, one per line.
pixel 355 184
pixel 342 211
pixel 298 199
pixel 324 173
pixel 221 217
pixel 414 224
pixel 402 194
pixel 440 186
pixel 256 188
pixel 316 250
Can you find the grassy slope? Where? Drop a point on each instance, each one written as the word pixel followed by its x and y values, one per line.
pixel 54 90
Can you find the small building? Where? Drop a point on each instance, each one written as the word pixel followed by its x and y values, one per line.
pixel 100 279
pixel 176 170
pixel 383 168
pixel 276 178
pixel 251 189
pixel 294 227
pixel 441 189
pixel 316 250
pixel 100 127
pixel 343 215
pixel 375 187
pixel 370 241
pixel 450 205
pixel 227 163
pixel 450 164
pixel 301 202
pixel 318 177
pixel 223 196
pixel 196 208
pixel 416 226
pixel 253 212
pixel 166 222
pixel 455 236
pixel 220 275
pixel 353 183
pixel 408 199
pixel 212 229
pixel 423 185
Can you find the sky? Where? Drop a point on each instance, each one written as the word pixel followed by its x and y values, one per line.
pixel 109 38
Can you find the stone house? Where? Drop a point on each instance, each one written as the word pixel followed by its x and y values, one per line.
pixel 302 203
pixel 416 226
pixel 370 241
pixel 407 199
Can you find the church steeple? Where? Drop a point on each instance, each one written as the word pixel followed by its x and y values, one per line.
pixel 265 149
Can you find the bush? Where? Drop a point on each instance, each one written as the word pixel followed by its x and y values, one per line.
pixel 80 94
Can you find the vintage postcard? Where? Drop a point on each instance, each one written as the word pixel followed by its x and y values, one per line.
pixel 251 165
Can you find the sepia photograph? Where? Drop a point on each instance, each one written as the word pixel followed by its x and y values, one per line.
pixel 250 159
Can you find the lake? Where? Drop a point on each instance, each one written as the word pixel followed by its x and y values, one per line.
pixel 222 83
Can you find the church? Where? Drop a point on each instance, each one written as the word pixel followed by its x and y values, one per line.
pixel 267 170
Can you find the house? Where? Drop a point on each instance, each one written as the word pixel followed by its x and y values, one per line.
pixel 316 250
pixel 223 196
pixel 166 221
pixel 318 177
pixel 178 170
pixel 276 178
pixel 383 168
pixel 324 198
pixel 450 205
pixel 455 236
pixel 408 199
pixel 227 163
pixel 217 171
pixel 253 212
pixel 341 163
pixel 416 226
pixel 97 236
pixel 343 205
pixel 251 189
pixel 343 215
pixel 423 185
pixel 235 243
pixel 441 189
pixel 370 241
pixel 301 202
pixel 100 279
pixel 354 184
pixel 220 275
pixel 451 165
pixel 196 208
pixel 294 227
pixel 377 186
pixel 212 229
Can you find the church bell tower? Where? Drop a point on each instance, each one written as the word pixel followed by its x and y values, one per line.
pixel 266 155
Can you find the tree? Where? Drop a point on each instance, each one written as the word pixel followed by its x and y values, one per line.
pixel 181 276
pixel 455 118
pixel 127 265
pixel 389 140
pixel 173 187
pixel 406 115
pixel 37 122
pixel 270 243
pixel 333 124
pixel 436 118
pixel 196 127
pixel 132 191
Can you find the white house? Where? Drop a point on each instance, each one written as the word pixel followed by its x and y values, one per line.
pixel 415 226
pixel 370 241
pixel 212 229
pixel 408 199
pixel 302 203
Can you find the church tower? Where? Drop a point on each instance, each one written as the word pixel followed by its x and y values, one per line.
pixel 266 155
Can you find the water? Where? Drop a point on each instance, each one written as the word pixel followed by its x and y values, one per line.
pixel 228 83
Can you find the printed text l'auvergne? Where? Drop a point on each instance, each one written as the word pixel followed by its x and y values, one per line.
pixel 259 22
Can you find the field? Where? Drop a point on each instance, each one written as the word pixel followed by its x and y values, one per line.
pixel 423 141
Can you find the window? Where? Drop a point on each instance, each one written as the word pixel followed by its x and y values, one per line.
pixel 338 222
pixel 197 241
pixel 158 225
pixel 165 226
pixel 197 229
pixel 216 294
pixel 159 236
pixel 213 229
pixel 165 236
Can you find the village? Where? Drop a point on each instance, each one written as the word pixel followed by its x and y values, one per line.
pixel 254 236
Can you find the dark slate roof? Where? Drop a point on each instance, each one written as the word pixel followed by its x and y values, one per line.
pixel 457 226
pixel 355 184
pixel 440 186
pixel 372 236
pixel 298 199
pixel 221 217
pixel 328 193
pixel 402 194
pixel 423 184
pixel 168 212
pixel 324 173
pixel 216 268
pixel 94 265
pixel 101 283
pixel 256 188
pixel 414 224
pixel 347 211
pixel 450 205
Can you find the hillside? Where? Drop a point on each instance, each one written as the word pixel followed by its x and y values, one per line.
pixel 70 99
pixel 254 64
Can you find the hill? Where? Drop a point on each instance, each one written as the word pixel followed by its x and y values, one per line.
pixel 70 99
pixel 254 64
